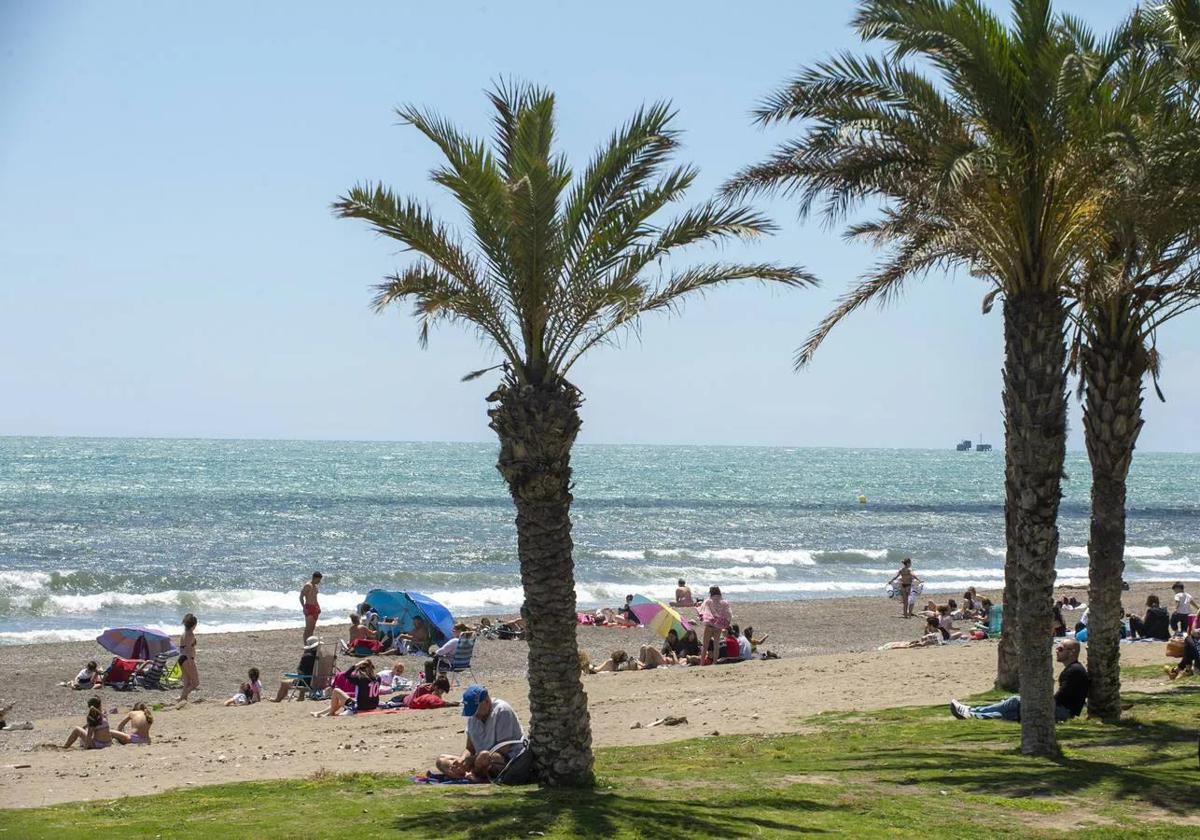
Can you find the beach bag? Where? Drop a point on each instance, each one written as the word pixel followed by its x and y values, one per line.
pixel 518 771
pixel 1175 647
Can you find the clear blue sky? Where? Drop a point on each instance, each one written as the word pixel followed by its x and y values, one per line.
pixel 169 265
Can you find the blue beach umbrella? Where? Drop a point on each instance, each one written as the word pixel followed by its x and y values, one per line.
pixel 135 642
pixel 404 606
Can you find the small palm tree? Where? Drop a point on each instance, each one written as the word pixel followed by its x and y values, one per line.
pixel 1140 273
pixel 980 165
pixel 555 266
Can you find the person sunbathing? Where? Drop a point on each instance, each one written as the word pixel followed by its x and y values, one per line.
pixel 308 665
pixel 931 636
pixel 608 617
pixel 418 639
pixel 95 734
pixel 363 640
pixel 618 660
pixel 946 624
pixel 5 725
pixel 362 678
pixel 140 719
pixel 429 695
pixel 670 654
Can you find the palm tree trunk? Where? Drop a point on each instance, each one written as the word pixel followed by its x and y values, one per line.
pixel 1008 674
pixel 1112 419
pixel 537 426
pixel 1035 421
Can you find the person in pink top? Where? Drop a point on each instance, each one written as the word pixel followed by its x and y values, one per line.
pixel 716 616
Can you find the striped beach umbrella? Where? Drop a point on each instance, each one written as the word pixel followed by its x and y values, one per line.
pixel 658 616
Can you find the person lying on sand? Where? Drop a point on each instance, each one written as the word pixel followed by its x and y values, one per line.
pixel 670 654
pixel 608 617
pixel 618 660
pixel 429 695
pixel 140 719
pixel 5 708
pixel 931 636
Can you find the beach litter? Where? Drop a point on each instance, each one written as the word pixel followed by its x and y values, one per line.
pixel 669 720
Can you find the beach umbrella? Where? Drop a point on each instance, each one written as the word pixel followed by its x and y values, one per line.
pixel 658 616
pixel 403 606
pixel 135 642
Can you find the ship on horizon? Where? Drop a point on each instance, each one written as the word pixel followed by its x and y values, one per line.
pixel 965 446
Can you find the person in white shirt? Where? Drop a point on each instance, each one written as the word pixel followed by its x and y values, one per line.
pixel 445 653
pixel 1184 605
pixel 494 738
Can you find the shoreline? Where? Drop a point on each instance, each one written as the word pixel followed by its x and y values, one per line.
pixel 87 635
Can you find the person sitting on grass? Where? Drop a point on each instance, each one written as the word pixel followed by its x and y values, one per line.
pixel 1155 624
pixel 304 671
pixel 494 738
pixel 1069 700
pixel 1190 663
pixel 140 719
pixel 249 691
pixel 361 676
pixel 95 733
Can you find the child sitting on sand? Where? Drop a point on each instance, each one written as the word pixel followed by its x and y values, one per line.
pixel 248 692
pixel 90 677
pixel 140 719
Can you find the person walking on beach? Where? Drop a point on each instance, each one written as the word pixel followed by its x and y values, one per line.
pixel 187 657
pixel 308 603
pixel 906 579
pixel 716 615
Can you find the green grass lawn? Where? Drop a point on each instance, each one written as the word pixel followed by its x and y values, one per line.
pixel 901 772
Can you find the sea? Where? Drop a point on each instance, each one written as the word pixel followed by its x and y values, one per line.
pixel 97 533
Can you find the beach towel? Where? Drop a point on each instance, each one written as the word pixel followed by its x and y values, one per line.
pixel 439 779
pixel 585 618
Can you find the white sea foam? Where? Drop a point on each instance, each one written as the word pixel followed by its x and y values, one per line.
pixel 30 581
pixel 1174 566
pixel 1132 552
pixel 248 600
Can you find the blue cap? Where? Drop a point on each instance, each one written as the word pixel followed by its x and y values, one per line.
pixel 472 697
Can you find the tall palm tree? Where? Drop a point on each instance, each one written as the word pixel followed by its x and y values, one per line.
pixel 1141 273
pixel 979 165
pixel 550 267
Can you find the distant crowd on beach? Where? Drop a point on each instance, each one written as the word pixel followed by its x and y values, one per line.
pixel 694 633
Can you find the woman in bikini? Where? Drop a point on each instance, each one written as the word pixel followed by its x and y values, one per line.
pixel 140 719
pixel 187 657
pixel 906 578
pixel 95 733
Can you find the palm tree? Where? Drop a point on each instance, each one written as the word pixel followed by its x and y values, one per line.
pixel 554 267
pixel 1140 274
pixel 980 166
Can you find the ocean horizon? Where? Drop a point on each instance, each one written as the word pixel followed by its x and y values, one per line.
pixel 98 532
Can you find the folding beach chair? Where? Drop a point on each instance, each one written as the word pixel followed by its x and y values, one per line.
pixel 154 673
pixel 315 686
pixel 461 660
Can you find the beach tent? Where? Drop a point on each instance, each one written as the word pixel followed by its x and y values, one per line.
pixel 404 606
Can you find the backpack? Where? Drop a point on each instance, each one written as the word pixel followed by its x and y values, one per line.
pixel 519 770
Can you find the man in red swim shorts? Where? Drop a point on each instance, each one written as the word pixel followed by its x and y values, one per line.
pixel 308 602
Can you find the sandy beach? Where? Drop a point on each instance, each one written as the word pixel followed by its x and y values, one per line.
pixel 828 661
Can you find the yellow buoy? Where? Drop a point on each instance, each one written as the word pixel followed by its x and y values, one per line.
pixel 862 500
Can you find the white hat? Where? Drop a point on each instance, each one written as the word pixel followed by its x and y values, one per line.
pixel 311 643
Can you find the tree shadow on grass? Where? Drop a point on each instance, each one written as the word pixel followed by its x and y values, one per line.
pixel 596 813
pixel 995 768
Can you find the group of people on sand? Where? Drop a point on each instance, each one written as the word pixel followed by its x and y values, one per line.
pixel 96 734
pixel 723 642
